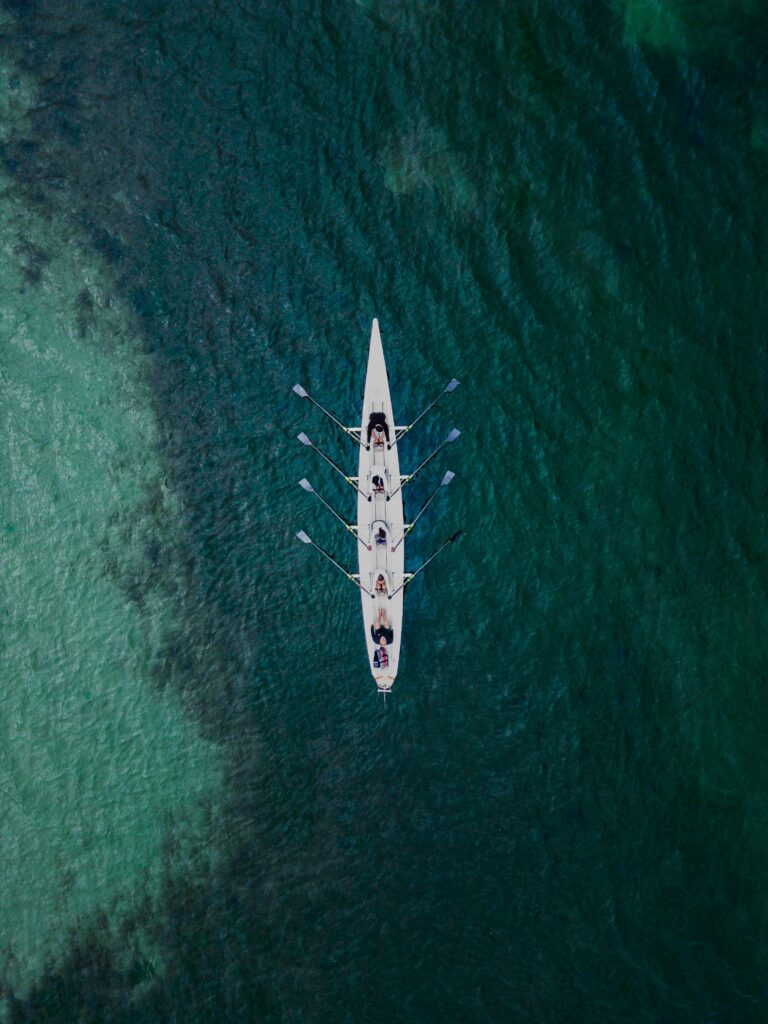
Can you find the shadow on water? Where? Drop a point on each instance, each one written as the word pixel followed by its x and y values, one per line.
pixel 227 161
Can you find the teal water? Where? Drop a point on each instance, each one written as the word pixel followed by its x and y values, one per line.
pixel 560 813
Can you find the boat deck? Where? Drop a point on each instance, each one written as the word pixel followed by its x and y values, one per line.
pixel 383 512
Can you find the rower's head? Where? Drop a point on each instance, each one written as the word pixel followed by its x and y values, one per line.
pixel 383 641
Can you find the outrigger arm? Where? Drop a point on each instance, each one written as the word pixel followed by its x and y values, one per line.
pixel 307 486
pixel 406 479
pixel 409 526
pixel 352 577
pixel 351 480
pixel 402 431
pixel 349 431
pixel 409 576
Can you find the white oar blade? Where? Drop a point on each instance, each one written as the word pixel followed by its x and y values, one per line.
pixel 303 537
pixel 305 485
pixel 449 387
pixel 303 438
pixel 447 478
pixel 299 390
pixel 453 435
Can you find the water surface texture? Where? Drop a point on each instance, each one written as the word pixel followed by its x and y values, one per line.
pixel 560 815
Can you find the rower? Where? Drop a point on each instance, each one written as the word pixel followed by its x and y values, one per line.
pixel 378 539
pixel 377 425
pixel 379 490
pixel 380 587
pixel 381 631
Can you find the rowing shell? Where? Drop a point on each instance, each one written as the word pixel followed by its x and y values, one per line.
pixel 377 512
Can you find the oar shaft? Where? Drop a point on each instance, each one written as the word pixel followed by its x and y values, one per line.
pixel 349 433
pixel 421 416
pixel 423 509
pixel 407 479
pixel 347 526
pixel 326 413
pixel 409 577
pixel 338 469
pixel 341 568
pixel 451 386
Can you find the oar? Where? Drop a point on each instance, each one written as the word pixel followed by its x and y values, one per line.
pixel 306 539
pixel 350 480
pixel 406 479
pixel 443 483
pixel 302 393
pixel 410 576
pixel 449 387
pixel 307 486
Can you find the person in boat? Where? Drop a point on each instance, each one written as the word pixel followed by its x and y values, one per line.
pixel 381 631
pixel 378 484
pixel 380 658
pixel 381 585
pixel 377 425
pixel 381 536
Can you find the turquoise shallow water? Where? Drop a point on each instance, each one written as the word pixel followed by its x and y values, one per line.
pixel 560 814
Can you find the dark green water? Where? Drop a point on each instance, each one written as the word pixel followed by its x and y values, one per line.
pixel 562 813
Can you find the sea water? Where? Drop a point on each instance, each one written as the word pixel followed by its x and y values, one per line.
pixel 209 814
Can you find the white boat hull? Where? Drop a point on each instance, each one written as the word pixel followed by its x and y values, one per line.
pixel 380 513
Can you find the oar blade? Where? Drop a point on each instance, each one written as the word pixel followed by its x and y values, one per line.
pixel 303 438
pixel 453 435
pixel 305 485
pixel 299 390
pixel 449 387
pixel 303 537
pixel 447 478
